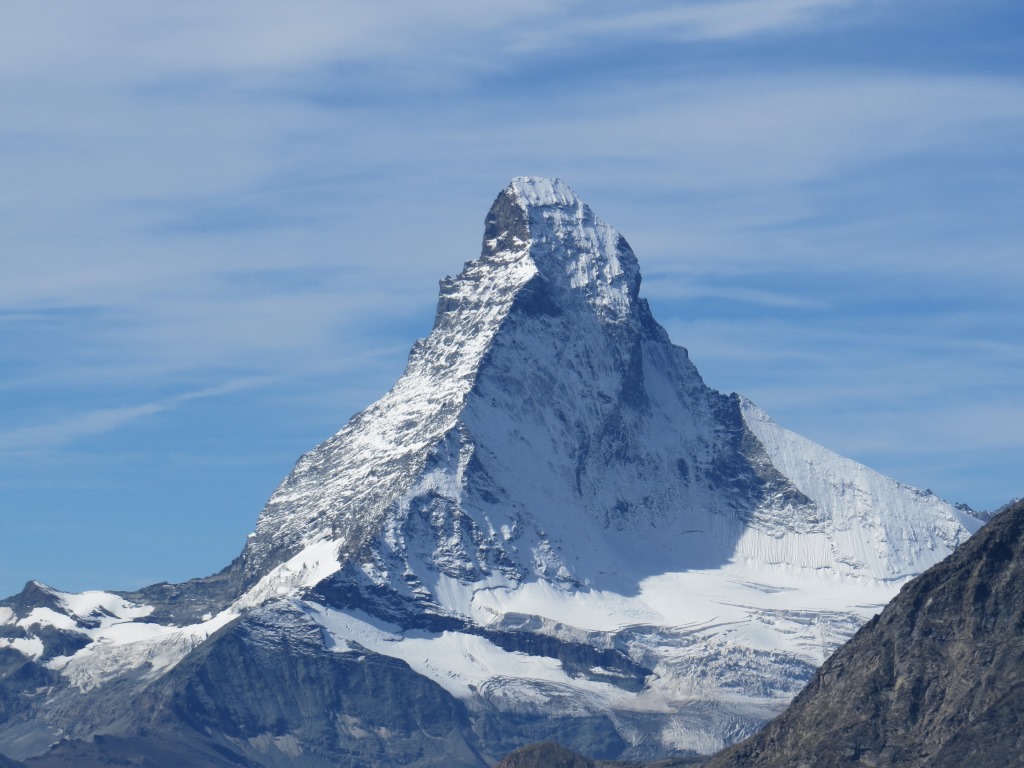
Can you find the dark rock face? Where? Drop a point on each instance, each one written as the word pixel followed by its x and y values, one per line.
pixel 150 751
pixel 265 691
pixel 936 680
pixel 550 754
pixel 182 604
pixel 33 595
pixel 547 755
pixel 269 689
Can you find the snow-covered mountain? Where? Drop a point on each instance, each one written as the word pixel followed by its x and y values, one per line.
pixel 549 528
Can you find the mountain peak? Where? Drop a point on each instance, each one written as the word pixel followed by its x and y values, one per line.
pixel 538 191
pixel 548 265
pixel 541 224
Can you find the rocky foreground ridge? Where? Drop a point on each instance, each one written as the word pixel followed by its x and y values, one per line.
pixel 550 528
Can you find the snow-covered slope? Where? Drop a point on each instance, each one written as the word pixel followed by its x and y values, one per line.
pixel 868 524
pixel 549 514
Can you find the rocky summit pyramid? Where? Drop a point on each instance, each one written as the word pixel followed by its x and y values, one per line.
pixel 550 528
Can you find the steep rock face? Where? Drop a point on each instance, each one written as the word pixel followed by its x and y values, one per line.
pixel 268 688
pixel 936 680
pixel 538 362
pixel 550 519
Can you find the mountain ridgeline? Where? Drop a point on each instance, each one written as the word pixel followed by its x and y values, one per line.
pixel 550 528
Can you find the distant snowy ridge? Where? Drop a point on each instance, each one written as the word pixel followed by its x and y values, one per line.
pixel 868 525
pixel 550 514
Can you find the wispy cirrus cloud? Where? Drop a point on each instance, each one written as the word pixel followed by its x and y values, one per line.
pixel 688 290
pixel 260 36
pixel 176 278
pixel 686 22
pixel 68 429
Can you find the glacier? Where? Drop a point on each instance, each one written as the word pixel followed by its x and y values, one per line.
pixel 549 513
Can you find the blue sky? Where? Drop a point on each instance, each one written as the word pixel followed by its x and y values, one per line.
pixel 222 227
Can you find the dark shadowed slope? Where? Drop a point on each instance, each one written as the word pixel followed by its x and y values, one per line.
pixel 546 755
pixel 937 679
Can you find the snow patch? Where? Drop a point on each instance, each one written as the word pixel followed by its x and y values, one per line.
pixel 102 605
pixel 48 617
pixel 537 191
pixel 467 666
pixel 309 567
pixel 149 649
pixel 32 647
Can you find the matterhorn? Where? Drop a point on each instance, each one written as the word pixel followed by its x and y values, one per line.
pixel 549 528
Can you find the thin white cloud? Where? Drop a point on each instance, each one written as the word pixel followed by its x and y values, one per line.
pixel 686 22
pixel 654 288
pixel 719 179
pixel 235 37
pixel 132 42
pixel 39 437
pixel 736 132
pixel 720 20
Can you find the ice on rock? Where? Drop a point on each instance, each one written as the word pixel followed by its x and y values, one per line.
pixel 871 525
pixel 538 192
